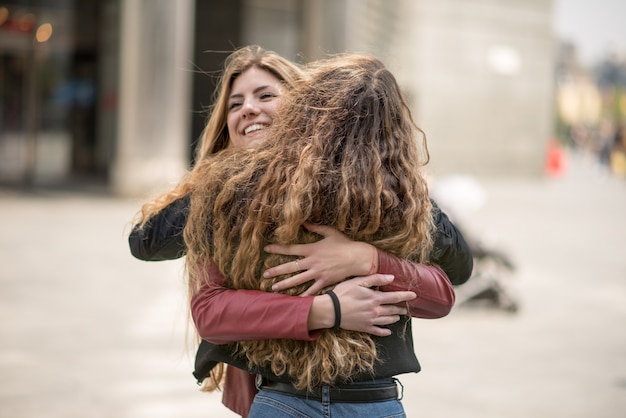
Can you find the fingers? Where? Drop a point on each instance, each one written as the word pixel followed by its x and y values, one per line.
pixel 393 298
pixel 386 320
pixel 289 267
pixel 295 249
pixel 377 328
pixel 390 311
pixel 314 289
pixel 378 331
pixel 292 281
pixel 391 315
pixel 374 280
pixel 322 230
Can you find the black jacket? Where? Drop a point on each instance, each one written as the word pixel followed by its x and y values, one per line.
pixel 162 239
pixel 396 355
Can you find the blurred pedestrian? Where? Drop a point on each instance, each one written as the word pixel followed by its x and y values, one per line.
pixel 618 153
pixel 605 144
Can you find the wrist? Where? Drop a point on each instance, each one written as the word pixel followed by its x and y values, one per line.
pixel 374 262
pixel 322 313
pixel 365 259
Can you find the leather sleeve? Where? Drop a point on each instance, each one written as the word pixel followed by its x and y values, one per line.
pixel 435 294
pixel 161 238
pixel 450 251
pixel 225 315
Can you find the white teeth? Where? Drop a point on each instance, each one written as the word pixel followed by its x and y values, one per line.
pixel 253 128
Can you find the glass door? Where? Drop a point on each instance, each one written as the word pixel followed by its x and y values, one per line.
pixel 48 90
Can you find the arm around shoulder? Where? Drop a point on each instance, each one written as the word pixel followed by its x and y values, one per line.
pixel 161 238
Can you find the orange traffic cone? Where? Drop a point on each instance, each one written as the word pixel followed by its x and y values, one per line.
pixel 556 163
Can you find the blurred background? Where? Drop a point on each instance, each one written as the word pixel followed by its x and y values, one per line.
pixel 523 103
pixel 116 92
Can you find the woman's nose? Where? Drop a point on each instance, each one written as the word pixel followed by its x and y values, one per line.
pixel 250 108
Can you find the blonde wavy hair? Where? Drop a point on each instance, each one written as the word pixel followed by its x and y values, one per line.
pixel 215 136
pixel 343 151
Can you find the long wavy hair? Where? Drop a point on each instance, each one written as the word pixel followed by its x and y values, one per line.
pixel 343 151
pixel 215 136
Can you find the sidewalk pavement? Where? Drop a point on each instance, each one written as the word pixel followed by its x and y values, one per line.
pixel 88 331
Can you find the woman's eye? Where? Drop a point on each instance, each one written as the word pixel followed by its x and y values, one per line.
pixel 233 105
pixel 267 95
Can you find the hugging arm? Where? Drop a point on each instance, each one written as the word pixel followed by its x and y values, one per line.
pixel 435 294
pixel 450 251
pixel 161 238
pixel 225 315
pixel 335 257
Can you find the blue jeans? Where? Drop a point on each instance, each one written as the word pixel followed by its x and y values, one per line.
pixel 268 404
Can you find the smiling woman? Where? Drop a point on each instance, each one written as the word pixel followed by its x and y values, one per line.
pixel 252 104
pixel 250 89
pixel 249 92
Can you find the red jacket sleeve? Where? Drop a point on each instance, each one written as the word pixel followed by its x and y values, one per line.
pixel 435 294
pixel 224 315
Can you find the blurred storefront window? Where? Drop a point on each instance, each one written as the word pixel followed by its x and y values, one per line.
pixel 48 89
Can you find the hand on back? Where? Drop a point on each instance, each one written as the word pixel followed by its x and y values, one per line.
pixel 328 261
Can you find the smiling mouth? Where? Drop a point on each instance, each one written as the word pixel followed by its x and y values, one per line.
pixel 254 128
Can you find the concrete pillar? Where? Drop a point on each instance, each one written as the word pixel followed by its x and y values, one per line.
pixel 156 45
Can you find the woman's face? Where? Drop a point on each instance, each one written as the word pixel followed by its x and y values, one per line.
pixel 254 98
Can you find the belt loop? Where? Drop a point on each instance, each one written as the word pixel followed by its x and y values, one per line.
pixel 401 388
pixel 325 395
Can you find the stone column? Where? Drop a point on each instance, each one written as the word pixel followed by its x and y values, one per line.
pixel 156 45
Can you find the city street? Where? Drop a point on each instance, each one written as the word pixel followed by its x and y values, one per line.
pixel 88 331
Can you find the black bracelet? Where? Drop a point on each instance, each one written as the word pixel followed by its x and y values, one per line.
pixel 337 309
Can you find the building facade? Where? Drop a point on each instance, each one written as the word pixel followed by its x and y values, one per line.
pixel 119 90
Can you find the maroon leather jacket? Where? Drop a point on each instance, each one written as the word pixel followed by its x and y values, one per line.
pixel 162 239
pixel 262 315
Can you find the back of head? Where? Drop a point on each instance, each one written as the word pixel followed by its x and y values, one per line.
pixel 353 152
pixel 342 152
pixel 355 93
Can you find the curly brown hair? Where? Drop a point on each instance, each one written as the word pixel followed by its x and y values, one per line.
pixel 343 152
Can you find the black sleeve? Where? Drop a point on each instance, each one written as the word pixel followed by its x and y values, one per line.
pixel 450 251
pixel 161 238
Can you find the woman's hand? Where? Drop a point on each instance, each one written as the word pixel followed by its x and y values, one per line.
pixel 362 308
pixel 327 261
